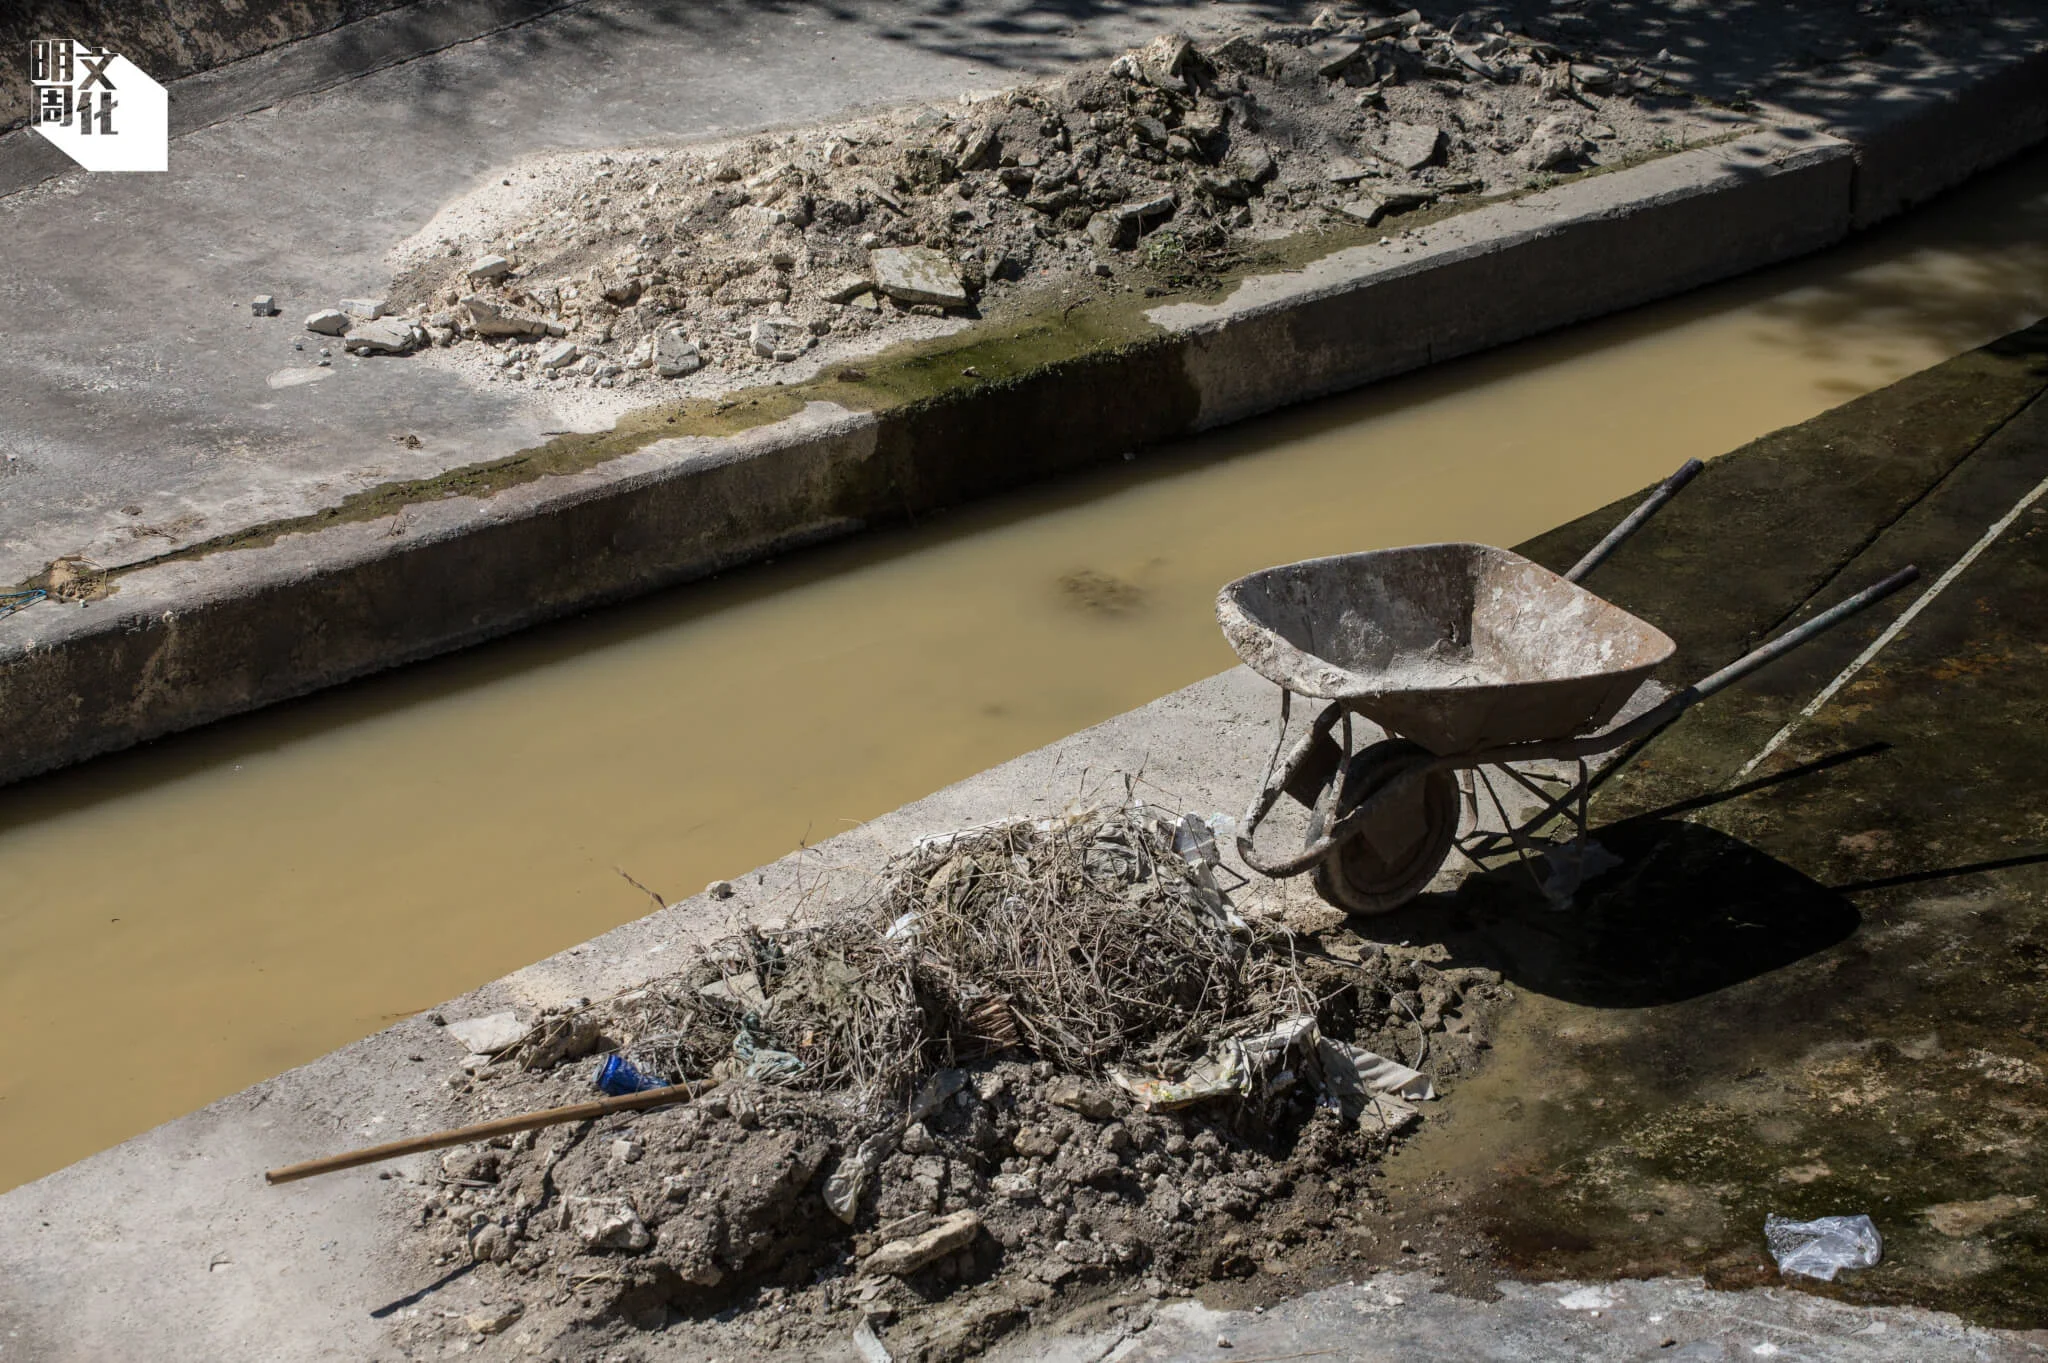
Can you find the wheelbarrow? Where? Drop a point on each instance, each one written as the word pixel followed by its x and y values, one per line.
pixel 1476 663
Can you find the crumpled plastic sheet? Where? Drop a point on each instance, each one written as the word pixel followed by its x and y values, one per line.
pixel 1352 1079
pixel 1823 1247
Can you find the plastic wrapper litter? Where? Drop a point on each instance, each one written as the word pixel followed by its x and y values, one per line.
pixel 1823 1247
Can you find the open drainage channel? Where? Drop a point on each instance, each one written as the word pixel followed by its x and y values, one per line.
pixel 252 895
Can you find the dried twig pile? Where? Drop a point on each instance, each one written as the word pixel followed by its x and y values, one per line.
pixel 1087 939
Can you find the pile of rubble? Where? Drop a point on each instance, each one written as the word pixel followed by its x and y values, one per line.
pixel 1041 1059
pixel 607 270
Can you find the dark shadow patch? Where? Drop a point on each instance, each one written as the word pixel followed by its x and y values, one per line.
pixel 1690 911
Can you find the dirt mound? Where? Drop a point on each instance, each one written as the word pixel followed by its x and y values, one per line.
pixel 1034 1061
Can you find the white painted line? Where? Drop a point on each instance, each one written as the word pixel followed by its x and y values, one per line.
pixel 1878 644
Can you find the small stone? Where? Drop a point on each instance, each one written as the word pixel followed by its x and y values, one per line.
pixel 492 1245
pixel 1112 231
pixel 917 1139
pixel 560 355
pixel 369 309
pixel 1102 269
pixel 918 274
pixel 901 1258
pixel 263 305
pixel 603 1224
pixel 674 356
pixel 489 1320
pixel 868 302
pixel 1014 1187
pixel 779 337
pixel 1592 77
pixel 1410 146
pixel 383 336
pixel 1225 1342
pixel 328 322
pixel 1069 1092
pixel 719 889
pixel 626 1150
pixel 489 269
pixel 623 292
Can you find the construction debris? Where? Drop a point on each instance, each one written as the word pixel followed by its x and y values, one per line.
pixel 1025 1060
pixel 1164 169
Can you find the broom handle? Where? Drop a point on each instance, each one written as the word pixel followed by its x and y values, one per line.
pixel 502 1126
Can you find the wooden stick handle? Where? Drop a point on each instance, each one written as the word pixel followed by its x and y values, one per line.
pixel 483 1131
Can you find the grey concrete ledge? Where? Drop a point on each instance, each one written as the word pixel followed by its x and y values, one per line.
pixel 186 642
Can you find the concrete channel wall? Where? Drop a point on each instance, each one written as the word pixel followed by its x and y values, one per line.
pixel 189 641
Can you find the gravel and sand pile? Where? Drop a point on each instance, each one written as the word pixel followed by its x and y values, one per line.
pixel 1032 1062
pixel 696 269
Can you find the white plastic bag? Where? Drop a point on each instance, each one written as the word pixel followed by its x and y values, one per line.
pixel 1823 1247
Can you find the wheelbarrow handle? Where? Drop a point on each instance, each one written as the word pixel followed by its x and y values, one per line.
pixel 1652 504
pixel 1678 702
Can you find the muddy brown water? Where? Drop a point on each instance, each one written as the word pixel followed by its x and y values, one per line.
pixel 183 920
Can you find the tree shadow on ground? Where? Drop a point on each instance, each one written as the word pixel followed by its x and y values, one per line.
pixel 1690 911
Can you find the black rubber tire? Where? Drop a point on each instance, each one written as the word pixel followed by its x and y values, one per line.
pixel 1355 877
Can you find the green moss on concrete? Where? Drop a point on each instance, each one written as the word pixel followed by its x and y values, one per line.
pixel 1063 324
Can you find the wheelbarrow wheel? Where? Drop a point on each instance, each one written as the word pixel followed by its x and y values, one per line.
pixel 1399 847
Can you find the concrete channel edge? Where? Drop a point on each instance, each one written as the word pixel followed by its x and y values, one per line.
pixel 187 642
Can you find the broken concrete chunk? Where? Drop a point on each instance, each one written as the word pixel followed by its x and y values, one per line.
pixel 844 288
pixel 676 355
pixel 1345 171
pixel 1410 146
pixel 624 291
pixel 1332 57
pixel 1112 231
pixel 604 1224
pixel 490 1320
pixel 918 274
pixel 1137 210
pixel 382 336
pixel 369 309
pixel 489 269
pixel 779 338
pixel 560 355
pixel 901 1258
pixel 328 322
pixel 1163 61
pixel 1555 142
pixel 489 1034
pixel 869 1345
pixel 487 318
pixel 263 305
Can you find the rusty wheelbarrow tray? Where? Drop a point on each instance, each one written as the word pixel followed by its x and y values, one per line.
pixel 1472 659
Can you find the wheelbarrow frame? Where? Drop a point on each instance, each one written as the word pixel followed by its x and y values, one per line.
pixel 1318 760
